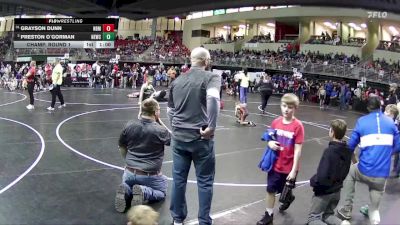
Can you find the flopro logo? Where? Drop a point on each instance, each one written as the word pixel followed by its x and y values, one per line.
pixel 376 14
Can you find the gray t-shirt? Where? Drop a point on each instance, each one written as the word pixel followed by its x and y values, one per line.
pixel 189 95
pixel 144 141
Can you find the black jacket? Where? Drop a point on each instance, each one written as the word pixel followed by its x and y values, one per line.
pixel 266 87
pixel 332 170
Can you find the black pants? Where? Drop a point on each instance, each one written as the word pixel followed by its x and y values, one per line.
pixel 56 92
pixel 31 87
pixel 264 99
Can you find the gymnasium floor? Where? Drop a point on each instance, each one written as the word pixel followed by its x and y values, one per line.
pixel 62 167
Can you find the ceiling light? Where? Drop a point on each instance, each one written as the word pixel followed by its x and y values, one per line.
pixel 357 28
pixel 363 25
pixel 328 24
pixel 271 24
pixel 352 25
pixel 242 26
pixel 393 30
pixel 177 19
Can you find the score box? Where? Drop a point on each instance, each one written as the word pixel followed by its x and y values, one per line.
pixel 108 27
pixel 105 44
pixel 108 36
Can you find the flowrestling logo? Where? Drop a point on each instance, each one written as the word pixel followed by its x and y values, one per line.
pixel 377 14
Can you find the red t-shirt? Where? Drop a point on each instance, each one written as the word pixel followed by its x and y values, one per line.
pixel 287 135
pixel 32 72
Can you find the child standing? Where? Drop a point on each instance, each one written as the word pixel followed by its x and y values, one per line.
pixel 332 170
pixel 288 144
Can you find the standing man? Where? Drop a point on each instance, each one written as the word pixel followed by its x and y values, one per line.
pixel 195 111
pixel 244 86
pixel 30 78
pixel 378 138
pixel 57 79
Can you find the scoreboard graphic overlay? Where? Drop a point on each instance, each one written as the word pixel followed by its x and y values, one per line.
pixel 65 33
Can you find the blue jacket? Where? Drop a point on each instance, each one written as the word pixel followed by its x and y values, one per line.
pixel 269 157
pixel 378 138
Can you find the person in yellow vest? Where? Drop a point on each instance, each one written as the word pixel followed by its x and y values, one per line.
pixel 244 86
pixel 55 87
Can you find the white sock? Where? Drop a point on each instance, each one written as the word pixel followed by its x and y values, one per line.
pixel 270 211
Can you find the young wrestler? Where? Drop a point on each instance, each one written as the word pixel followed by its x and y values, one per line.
pixel 290 137
pixel 241 113
pixel 328 181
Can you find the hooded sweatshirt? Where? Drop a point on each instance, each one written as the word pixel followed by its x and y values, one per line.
pixel 332 170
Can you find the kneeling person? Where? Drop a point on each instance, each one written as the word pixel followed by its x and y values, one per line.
pixel 142 146
pixel 241 113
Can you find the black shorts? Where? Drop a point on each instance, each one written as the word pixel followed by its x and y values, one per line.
pixel 276 181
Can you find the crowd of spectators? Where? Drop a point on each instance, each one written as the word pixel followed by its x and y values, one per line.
pixel 283 55
pixel 221 39
pixel 261 38
pixel 393 45
pixel 131 47
pixel 382 70
pixel 326 39
pixel 170 47
pixel 5 43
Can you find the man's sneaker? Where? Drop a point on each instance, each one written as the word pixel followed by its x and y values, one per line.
pixel 177 223
pixel 137 195
pixel 50 108
pixel 266 219
pixel 364 210
pixel 345 212
pixel 30 107
pixel 286 205
pixel 120 201
pixel 345 222
pixel 252 124
pixel 62 106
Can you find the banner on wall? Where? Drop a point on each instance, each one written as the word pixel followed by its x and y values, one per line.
pixel 251 45
pixel 53 59
pixel 24 59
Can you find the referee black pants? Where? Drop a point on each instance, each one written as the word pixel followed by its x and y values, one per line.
pixel 56 92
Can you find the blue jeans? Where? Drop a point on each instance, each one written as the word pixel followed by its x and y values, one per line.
pixel 201 152
pixel 243 95
pixel 343 102
pixel 154 187
pixel 396 163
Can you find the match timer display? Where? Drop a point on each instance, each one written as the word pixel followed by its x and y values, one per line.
pixel 65 33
